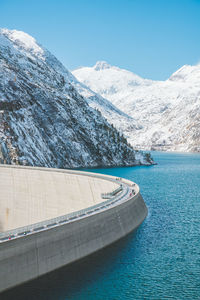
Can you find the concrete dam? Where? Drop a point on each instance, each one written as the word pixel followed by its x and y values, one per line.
pixel 52 217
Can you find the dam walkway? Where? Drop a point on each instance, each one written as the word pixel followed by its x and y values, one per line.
pixel 123 189
pixel 50 218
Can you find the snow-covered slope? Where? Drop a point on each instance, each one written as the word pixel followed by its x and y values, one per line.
pixel 121 120
pixel 44 121
pixel 115 116
pixel 166 113
pixel 109 81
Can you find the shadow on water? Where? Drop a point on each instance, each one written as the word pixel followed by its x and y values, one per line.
pixel 64 282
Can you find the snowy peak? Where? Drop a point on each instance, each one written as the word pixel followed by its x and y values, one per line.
pixel 101 65
pixel 187 73
pixel 108 80
pixel 24 40
pixel 21 42
pixel 166 113
pixel 21 45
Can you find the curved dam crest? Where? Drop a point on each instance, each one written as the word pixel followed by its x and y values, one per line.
pixel 51 217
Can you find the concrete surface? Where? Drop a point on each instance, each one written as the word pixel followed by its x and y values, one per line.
pixel 27 257
pixel 31 195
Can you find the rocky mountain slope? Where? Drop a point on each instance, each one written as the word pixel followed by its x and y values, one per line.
pixel 44 121
pixel 166 114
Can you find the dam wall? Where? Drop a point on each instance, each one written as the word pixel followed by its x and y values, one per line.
pixel 29 256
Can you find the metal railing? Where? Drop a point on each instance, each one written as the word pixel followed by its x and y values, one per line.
pixel 111 194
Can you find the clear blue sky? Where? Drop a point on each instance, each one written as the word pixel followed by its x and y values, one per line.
pixel 152 38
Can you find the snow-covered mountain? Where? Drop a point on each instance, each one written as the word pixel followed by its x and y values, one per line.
pixel 166 114
pixel 115 116
pixel 44 121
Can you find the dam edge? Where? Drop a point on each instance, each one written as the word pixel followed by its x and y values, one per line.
pixel 27 257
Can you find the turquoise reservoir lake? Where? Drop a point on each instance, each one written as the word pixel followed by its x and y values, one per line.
pixel 159 261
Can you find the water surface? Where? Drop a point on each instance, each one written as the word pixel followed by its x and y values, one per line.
pixel 160 261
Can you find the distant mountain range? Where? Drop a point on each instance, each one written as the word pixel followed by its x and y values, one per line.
pixel 165 115
pixel 45 121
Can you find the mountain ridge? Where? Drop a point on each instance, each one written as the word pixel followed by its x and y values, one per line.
pixel 44 121
pixel 165 113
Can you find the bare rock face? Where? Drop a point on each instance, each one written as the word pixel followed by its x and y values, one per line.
pixel 44 121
